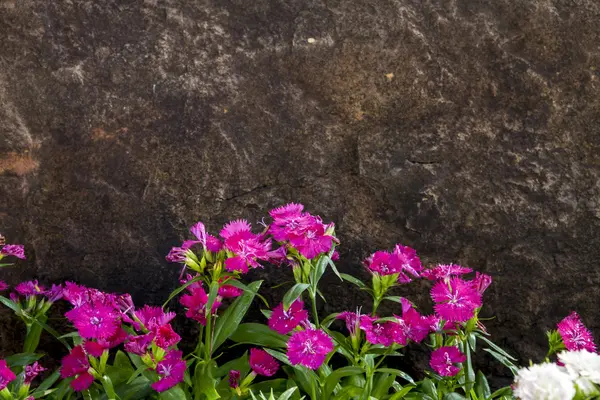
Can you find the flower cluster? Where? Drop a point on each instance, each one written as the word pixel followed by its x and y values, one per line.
pixel 579 372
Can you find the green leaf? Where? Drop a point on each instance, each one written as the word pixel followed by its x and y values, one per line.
pixel 51 331
pixel 11 304
pixel 348 392
pixel 332 380
pixel 136 373
pixel 232 317
pixel 212 296
pixel 396 372
pixel 175 393
pixel 402 392
pixel 482 388
pixel 70 335
pixel 22 359
pixel 122 361
pixel 138 389
pixel 239 364
pixel 395 299
pixel 353 280
pixel 470 372
pixel 181 289
pixel 454 396
pixel 428 388
pixel 47 383
pixel 307 380
pixel 496 348
pixel 247 289
pixel 288 393
pixel 472 339
pixel 109 388
pixel 293 293
pixel 505 391
pixel 6 265
pixel 205 384
pixel 258 334
pixel 277 385
pixel 382 385
pixel 505 361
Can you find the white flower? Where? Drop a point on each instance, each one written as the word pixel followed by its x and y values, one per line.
pixel 584 367
pixel 544 382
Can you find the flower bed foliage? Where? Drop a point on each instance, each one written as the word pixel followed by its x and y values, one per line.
pixel 118 350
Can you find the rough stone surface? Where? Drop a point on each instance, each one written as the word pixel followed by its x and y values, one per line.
pixel 469 130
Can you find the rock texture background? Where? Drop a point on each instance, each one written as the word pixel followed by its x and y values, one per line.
pixel 469 130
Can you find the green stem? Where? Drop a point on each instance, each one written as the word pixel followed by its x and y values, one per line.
pixel 208 339
pixel 313 299
pixel 376 303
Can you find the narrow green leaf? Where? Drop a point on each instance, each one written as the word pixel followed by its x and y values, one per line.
pixel 497 348
pixel 333 379
pixel 175 393
pixel 505 361
pixel 454 396
pixel 382 385
pixel 51 331
pixel 22 359
pixel 181 289
pixel 248 289
pixel 353 280
pixel 239 364
pixel 11 304
pixel 109 388
pixel 505 391
pixel 136 373
pixel 258 334
pixel 402 392
pixel 294 292
pixel 397 372
pixel 232 317
pixel 395 299
pixel 428 388
pixel 482 388
pixel 212 296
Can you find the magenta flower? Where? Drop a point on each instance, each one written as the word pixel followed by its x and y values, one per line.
pixel 443 360
pixel 82 382
pixel 481 282
pixel 171 371
pixel 248 251
pixel 166 337
pixel 283 322
pixel 76 364
pixel 113 341
pixel 213 244
pixel 54 294
pixel 6 375
pixel 94 349
pixel 352 320
pixel 230 291
pixel 263 363
pixel 196 303
pixel 75 294
pixel 31 371
pixel 575 335
pixel 234 231
pixel 414 326
pixel 14 250
pixel 3 286
pixel 383 263
pixel 408 261
pixel 385 333
pixel 309 237
pixel 176 255
pixel 456 300
pixel 30 288
pixel 153 317
pixel 402 260
pixel 309 348
pixel 234 378
pixel 286 219
pixel 200 232
pixel 445 272
pixel 139 344
pixel 97 321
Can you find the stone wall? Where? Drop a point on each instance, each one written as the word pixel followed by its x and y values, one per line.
pixel 469 130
